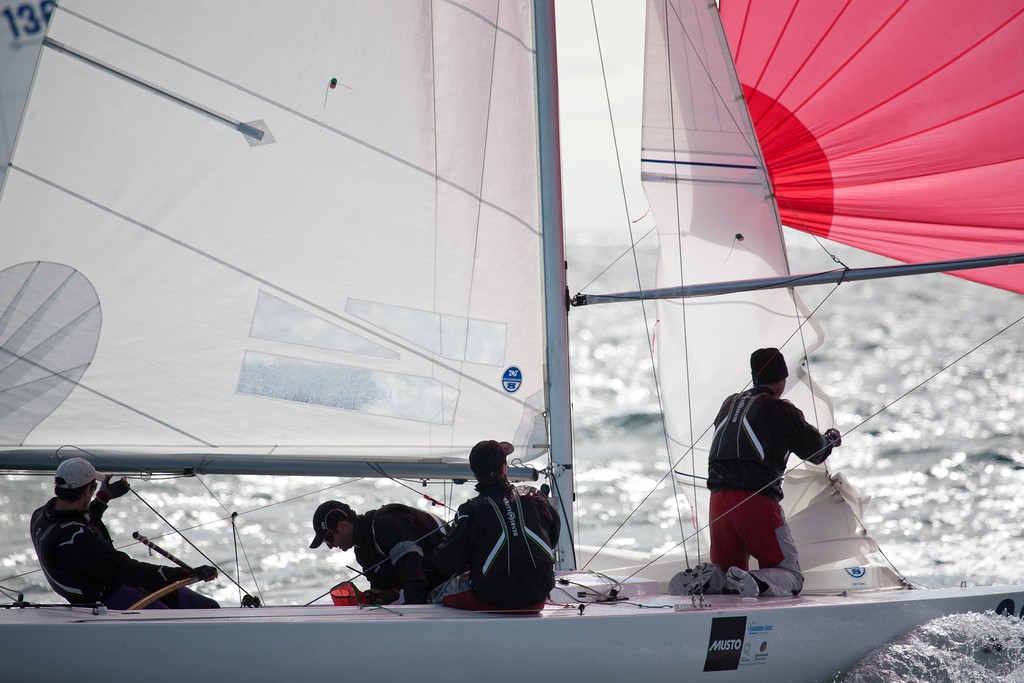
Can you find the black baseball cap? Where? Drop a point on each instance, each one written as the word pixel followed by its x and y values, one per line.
pixel 326 518
pixel 487 457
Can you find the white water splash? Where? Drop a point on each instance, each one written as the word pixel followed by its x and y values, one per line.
pixel 963 648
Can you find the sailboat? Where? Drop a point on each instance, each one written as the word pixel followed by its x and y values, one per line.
pixel 244 239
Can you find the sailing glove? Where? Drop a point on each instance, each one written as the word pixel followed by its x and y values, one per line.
pixel 833 437
pixel 112 489
pixel 205 573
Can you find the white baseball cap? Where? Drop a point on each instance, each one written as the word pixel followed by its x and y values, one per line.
pixel 74 473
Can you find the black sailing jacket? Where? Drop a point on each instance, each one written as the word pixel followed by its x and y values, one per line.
pixel 504 537
pixel 80 561
pixel 395 545
pixel 755 431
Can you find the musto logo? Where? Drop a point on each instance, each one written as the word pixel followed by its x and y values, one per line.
pixel 726 644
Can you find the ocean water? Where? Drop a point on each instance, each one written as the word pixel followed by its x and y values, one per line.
pixel 940 449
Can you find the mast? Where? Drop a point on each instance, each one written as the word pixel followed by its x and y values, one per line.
pixel 555 293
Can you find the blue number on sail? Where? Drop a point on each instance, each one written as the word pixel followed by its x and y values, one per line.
pixel 25 19
pixel 512 379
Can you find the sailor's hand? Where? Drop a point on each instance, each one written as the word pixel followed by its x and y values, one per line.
pixel 112 489
pixel 205 573
pixel 833 437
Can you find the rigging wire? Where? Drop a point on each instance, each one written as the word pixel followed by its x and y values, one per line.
pixel 936 374
pixel 148 476
pixel 236 542
pixel 694 477
pixel 186 539
pixel 633 243
pixel 376 467
pixel 630 250
pixel 689 452
pixel 682 307
pixel 855 427
pixel 11 593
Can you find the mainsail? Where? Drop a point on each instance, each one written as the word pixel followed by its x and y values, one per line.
pixel 710 195
pixel 891 127
pixel 211 247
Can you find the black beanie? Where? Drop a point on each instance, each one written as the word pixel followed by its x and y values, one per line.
pixel 767 366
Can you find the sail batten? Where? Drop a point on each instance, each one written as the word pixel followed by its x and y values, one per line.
pixel 244 128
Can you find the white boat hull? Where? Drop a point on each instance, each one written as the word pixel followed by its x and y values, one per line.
pixel 805 638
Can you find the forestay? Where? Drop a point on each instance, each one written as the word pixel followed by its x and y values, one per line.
pixel 250 232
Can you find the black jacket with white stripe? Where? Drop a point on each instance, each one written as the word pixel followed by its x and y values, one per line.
pixel 504 537
pixel 755 431
pixel 80 561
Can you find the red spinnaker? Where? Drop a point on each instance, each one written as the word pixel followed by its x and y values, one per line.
pixel 895 127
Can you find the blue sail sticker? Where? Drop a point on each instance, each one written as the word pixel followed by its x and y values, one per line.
pixel 512 379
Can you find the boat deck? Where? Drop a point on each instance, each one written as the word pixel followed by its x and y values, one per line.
pixel 642 637
pixel 713 604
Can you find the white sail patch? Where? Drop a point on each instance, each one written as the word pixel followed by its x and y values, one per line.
pixel 450 336
pixel 278 320
pixel 376 392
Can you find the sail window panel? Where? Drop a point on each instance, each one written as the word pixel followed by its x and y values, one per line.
pixel 374 392
pixel 450 336
pixel 278 320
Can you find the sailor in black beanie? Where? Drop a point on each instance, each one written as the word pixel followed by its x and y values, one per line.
pixel 755 431
pixel 767 366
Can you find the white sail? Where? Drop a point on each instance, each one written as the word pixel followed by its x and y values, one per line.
pixel 709 192
pixel 288 250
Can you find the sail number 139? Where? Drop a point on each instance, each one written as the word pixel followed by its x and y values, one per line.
pixel 27 18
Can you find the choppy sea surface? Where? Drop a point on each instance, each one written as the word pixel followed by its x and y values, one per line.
pixel 925 374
